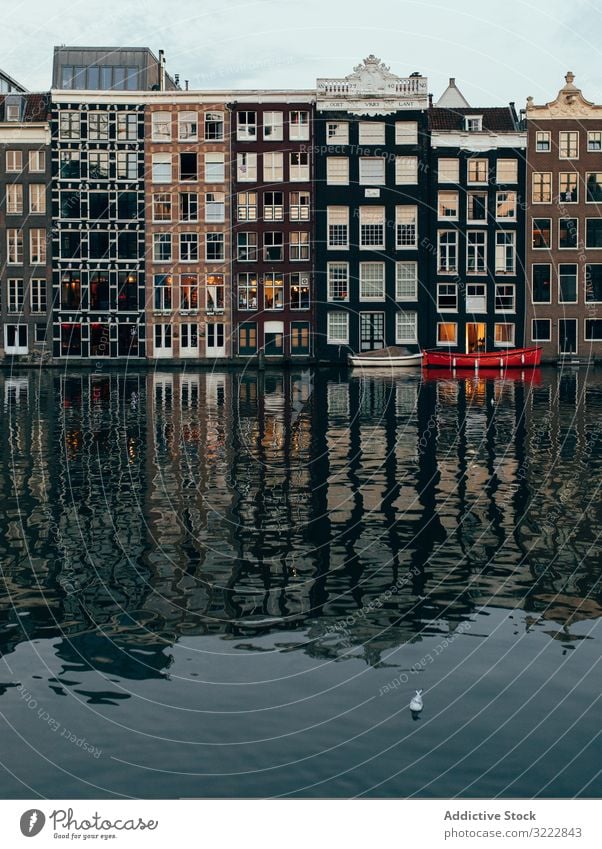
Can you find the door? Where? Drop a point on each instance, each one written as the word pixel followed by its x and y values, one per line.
pixel 216 340
pixel 567 336
pixel 15 338
pixel 163 340
pixel 273 338
pixel 372 331
pixel 189 339
pixel 475 337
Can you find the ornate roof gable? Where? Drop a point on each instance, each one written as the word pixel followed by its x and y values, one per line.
pixel 373 81
pixel 570 103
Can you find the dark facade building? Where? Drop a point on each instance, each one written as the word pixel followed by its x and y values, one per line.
pixel 25 223
pixel 371 146
pixel 475 239
pixel 273 217
pixel 564 249
pixel 110 69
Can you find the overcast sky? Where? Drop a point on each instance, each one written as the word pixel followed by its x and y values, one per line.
pixel 498 51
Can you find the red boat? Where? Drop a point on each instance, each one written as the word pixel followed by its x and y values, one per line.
pixel 503 359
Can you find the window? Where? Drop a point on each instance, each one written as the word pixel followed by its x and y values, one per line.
pixel 299 291
pixel 98 244
pixel 69 125
pixel 246 247
pixel 15 294
pixel 448 206
pixel 337 332
pixel 215 247
pixel 189 247
pixel 371 132
pixel 214 125
pixel 127 291
pixel 505 253
pixel 372 281
pixel 542 142
pixel 272 126
pixel 593 329
pixel 542 187
pixel 476 298
pixel 568 191
pixel 37 198
pixel 14 161
pixel 476 252
pixel 99 290
pixel 406 227
pixel 542 233
pixel 593 283
pixel 37 294
pixel 299 126
pixel 507 171
pixel 299 206
pixel 215 167
pixel 299 168
pixel 40 333
pixel 299 247
pixel 246 167
pixel 473 123
pixel 189 338
pixel 189 292
pixel 247 291
pixel 337 132
pixel 37 161
pixel 14 246
pixel 215 292
pixel 567 283
pixel 337 170
pixel 593 232
pixel 449 170
pixel 447 333
pixel 246 129
pixel 541 291
pixel 37 246
pixel 188 167
pixel 246 206
pixel 504 297
pixel 69 205
pixel 98 165
pixel 163 338
pixel 273 167
pixel 127 244
pixel 447 297
pixel 505 206
pixel 247 338
pixel 476 207
pixel 406 170
pixel 372 171
pixel 69 163
pixel 406 132
pixel 98 206
pixel 13 111
pixel 568 230
pixel 406 281
pixel 161 167
pixel 593 182
pixel 273 291
pixel 372 226
pixel 541 329
pixel 568 145
pixel 98 126
pixel 70 290
pixel 127 126
pixel 14 199
pixel 162 247
pixel 338 281
pixel 594 140
pixel 504 335
pixel 273 247
pixel 162 288
pixel 338 226
pixel 127 166
pixel 406 328
pixel 70 244
pixel 215 207
pixel 447 251
pixel 162 207
pixel 477 170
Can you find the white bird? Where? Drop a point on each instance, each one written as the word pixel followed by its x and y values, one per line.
pixel 416 703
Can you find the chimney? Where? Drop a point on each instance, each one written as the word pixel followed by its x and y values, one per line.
pixel 161 70
pixel 452 82
pixel 186 84
pixel 430 100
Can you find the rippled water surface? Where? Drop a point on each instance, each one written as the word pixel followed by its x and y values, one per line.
pixel 230 584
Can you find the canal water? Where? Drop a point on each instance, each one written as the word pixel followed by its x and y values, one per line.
pixel 231 584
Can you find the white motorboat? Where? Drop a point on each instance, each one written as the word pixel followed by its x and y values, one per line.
pixel 393 357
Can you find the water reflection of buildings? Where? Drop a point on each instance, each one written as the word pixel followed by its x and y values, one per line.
pixel 359 511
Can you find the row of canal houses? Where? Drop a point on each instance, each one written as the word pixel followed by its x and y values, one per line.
pixel 143 220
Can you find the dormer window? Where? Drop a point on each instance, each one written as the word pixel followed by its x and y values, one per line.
pixel 473 123
pixel 13 108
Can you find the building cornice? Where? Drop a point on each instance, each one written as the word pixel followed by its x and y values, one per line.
pixel 569 104
pixel 179 97
pixel 30 133
pixel 478 142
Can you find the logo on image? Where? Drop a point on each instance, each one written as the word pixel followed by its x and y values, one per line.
pixel 32 822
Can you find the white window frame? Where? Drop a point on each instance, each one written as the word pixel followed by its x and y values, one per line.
pixel 403 291
pixel 343 319
pixel 371 216
pixel 406 132
pixel 161 127
pixel 548 338
pixel 273 167
pixel 337 132
pixel 188 125
pixel 246 167
pixel 401 320
pixel 510 166
pixel 509 344
pixel 337 170
pixel 273 126
pixel 162 167
pixel 406 170
pixel 334 269
pixel 337 216
pixel 406 218
pixel 372 279
pixel 371 132
pixel 448 170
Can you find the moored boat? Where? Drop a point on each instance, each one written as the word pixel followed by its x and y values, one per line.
pixel 392 357
pixel 503 359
